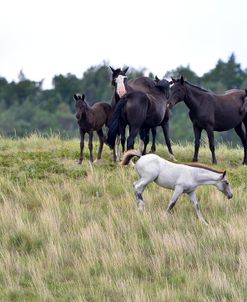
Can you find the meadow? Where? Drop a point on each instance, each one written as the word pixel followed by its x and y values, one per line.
pixel 73 233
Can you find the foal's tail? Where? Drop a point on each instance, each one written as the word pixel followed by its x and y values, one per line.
pixel 128 155
pixel 115 123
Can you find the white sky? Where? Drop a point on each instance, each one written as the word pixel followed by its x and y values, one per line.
pixel 50 37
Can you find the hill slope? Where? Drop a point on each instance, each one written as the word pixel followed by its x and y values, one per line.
pixel 72 233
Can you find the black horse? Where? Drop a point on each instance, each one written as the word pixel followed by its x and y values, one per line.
pixel 157 91
pixel 142 111
pixel 211 112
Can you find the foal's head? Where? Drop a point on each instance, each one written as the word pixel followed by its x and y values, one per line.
pixel 80 105
pixel 163 85
pixel 223 185
pixel 177 91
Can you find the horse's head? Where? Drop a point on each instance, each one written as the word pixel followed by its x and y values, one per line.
pixel 117 72
pixel 177 91
pixel 163 85
pixel 80 105
pixel 223 185
pixel 119 79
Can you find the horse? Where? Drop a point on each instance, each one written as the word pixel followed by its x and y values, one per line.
pixel 117 94
pixel 211 112
pixel 182 178
pixel 156 92
pixel 91 119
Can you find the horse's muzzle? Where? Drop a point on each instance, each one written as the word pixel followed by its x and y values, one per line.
pixel 229 196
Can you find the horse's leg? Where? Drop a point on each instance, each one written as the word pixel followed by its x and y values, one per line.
pixel 123 139
pixel 101 142
pixel 196 205
pixel 153 147
pixel 240 132
pixel 177 193
pixel 82 134
pixel 131 138
pixel 165 128
pixel 90 145
pixel 197 134
pixel 139 188
pixel 144 136
pixel 210 134
pixel 117 154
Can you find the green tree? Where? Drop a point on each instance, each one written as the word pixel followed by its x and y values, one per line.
pixel 186 72
pixel 225 75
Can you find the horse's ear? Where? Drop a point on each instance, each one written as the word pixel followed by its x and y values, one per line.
pixel 173 80
pixel 182 80
pixel 83 97
pixel 125 70
pixel 156 79
pixel 246 92
pixel 224 174
pixel 112 69
pixel 76 96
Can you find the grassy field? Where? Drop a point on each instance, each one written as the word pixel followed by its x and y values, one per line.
pixel 72 233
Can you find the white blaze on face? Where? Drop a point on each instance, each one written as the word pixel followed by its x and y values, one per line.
pixel 121 91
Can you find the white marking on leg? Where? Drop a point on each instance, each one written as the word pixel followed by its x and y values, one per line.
pixel 118 148
pixel 141 146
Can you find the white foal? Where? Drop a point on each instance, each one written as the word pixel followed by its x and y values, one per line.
pixel 181 178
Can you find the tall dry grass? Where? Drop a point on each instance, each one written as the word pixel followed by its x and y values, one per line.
pixel 72 233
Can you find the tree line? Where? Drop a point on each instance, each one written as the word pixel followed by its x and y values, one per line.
pixel 26 107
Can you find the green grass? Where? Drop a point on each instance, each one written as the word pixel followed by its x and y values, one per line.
pixel 73 233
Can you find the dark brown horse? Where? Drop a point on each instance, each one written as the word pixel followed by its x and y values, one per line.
pixel 91 119
pixel 211 112
pixel 157 92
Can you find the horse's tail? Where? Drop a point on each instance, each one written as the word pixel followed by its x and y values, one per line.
pixel 128 155
pixel 115 123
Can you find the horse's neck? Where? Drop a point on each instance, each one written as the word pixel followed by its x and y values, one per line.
pixel 88 116
pixel 192 98
pixel 206 177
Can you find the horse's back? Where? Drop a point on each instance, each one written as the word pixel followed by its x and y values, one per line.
pixel 163 172
pixel 239 93
pixel 102 113
pixel 148 166
pixel 143 84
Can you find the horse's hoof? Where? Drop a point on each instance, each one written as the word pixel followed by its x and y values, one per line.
pixel 202 220
pixel 140 208
pixel 167 214
pixel 172 157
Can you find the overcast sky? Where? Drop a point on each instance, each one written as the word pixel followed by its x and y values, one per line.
pixel 51 37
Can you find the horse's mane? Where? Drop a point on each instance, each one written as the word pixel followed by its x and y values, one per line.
pixel 197 87
pixel 196 165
